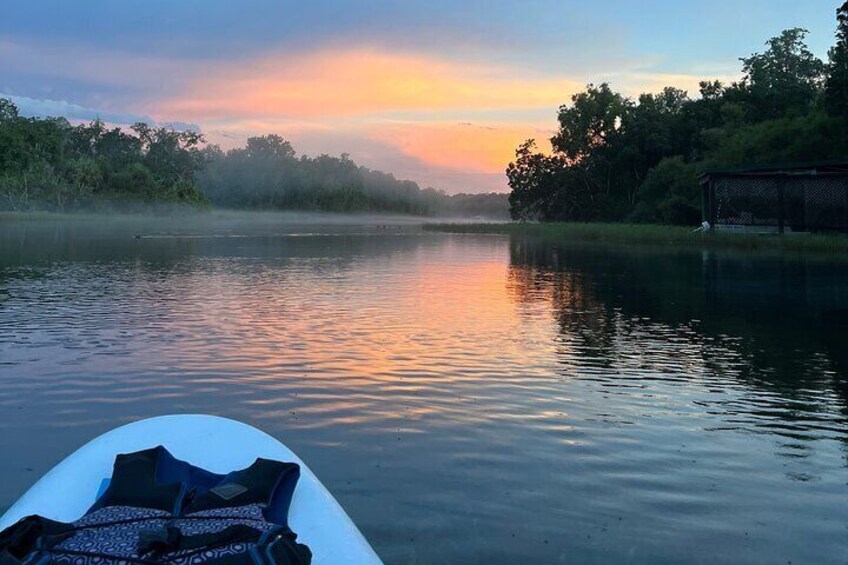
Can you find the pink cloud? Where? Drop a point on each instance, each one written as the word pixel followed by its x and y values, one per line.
pixel 355 83
pixel 460 125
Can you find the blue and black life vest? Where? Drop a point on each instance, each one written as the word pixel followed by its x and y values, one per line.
pixel 160 510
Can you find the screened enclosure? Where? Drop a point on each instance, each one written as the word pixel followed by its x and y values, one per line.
pixel 798 198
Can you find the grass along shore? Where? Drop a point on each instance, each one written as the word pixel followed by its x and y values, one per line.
pixel 656 235
pixel 606 233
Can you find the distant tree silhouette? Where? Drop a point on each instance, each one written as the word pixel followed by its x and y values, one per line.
pixel 836 93
pixel 45 163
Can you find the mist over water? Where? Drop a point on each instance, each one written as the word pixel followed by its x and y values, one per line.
pixel 472 399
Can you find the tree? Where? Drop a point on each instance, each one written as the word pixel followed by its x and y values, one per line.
pixel 530 177
pixel 787 77
pixel 836 89
pixel 652 129
pixel 8 111
pixel 591 123
pixel 269 146
pixel 45 162
pixel 670 195
pixel 268 174
pixel 135 180
pixel 812 137
pixel 615 158
pixel 590 140
pixel 549 187
pixel 172 156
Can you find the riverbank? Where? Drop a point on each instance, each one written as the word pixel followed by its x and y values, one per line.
pixel 187 217
pixel 656 235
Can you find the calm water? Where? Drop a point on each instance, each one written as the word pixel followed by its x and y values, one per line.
pixel 467 399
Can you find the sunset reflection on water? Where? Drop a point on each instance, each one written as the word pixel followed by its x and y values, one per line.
pixel 467 399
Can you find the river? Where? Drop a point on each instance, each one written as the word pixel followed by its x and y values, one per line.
pixel 467 399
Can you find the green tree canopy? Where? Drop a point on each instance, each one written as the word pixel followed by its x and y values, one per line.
pixel 787 77
pixel 47 162
pixel 615 158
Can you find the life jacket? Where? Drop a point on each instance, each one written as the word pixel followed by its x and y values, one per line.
pixel 158 509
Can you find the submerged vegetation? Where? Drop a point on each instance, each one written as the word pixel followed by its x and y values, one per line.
pixel 617 159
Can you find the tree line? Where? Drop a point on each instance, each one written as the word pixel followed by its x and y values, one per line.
pixel 49 164
pixel 619 159
pixel 268 174
pixel 45 163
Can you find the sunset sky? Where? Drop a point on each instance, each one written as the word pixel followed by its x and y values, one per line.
pixel 440 92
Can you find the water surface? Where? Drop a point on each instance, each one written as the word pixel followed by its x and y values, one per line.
pixel 468 399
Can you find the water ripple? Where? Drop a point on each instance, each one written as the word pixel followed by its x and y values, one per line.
pixel 467 399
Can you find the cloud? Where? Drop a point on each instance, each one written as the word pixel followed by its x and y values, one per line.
pixel 448 123
pixel 44 107
pixel 62 108
pixel 390 110
pixel 180 126
pixel 97 67
pixel 633 83
pixel 215 29
pixel 395 147
pixel 435 90
pixel 359 82
pixel 476 148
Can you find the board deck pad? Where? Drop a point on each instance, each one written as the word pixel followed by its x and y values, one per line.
pixel 314 514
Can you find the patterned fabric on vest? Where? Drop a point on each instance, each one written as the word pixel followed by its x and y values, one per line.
pixel 225 536
pixel 111 531
pixel 160 510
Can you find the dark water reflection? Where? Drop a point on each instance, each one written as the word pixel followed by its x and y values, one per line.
pixel 468 399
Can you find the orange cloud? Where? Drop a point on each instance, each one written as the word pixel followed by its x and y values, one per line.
pixel 357 95
pixel 359 82
pixel 390 110
pixel 460 146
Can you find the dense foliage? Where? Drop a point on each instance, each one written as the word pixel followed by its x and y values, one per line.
pixel 836 92
pixel 618 159
pixel 49 163
pixel 46 163
pixel 268 174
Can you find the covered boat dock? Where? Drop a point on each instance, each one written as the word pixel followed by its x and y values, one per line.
pixel 805 197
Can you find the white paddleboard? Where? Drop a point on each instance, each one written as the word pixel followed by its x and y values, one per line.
pixel 217 444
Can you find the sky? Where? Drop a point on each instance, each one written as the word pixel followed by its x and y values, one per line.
pixel 440 92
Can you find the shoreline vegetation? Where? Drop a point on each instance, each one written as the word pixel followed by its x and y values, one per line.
pixel 187 221
pixel 167 213
pixel 654 235
pixel 615 160
pixel 48 164
pixel 619 234
pixel 622 159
